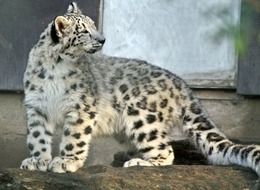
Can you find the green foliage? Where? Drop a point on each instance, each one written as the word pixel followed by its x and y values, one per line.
pixel 237 32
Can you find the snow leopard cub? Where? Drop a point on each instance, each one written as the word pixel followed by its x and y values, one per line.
pixel 67 85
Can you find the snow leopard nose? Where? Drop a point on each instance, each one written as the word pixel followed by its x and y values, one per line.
pixel 97 36
pixel 101 39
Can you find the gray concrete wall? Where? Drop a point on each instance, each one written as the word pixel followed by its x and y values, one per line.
pixel 181 36
pixel 238 117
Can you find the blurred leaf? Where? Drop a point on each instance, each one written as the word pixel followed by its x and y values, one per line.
pixel 240 46
pixel 237 32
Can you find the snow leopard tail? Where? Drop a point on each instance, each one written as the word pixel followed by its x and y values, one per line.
pixel 214 144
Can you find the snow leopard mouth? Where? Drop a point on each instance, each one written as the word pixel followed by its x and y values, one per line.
pixel 92 51
pixel 95 47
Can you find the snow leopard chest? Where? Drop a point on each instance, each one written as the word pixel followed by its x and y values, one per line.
pixel 54 91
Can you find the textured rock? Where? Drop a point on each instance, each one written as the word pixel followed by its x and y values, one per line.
pixel 183 175
pixel 102 177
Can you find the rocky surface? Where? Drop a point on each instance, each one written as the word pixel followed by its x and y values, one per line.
pixel 177 177
pixel 188 173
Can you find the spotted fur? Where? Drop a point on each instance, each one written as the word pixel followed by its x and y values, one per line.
pixel 90 95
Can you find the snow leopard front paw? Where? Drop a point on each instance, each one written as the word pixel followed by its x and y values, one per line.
pixel 33 163
pixel 137 162
pixel 63 165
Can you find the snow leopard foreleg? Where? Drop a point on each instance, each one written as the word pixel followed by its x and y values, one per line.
pixel 75 142
pixel 39 138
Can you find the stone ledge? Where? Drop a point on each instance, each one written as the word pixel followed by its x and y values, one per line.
pixel 179 177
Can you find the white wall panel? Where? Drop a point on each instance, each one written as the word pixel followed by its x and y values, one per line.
pixel 174 34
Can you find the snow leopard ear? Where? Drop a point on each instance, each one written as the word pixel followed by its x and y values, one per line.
pixel 73 8
pixel 59 25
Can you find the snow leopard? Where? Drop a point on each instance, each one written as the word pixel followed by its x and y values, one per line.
pixel 68 83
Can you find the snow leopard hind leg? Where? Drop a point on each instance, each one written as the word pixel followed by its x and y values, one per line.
pixel 148 131
pixel 151 143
